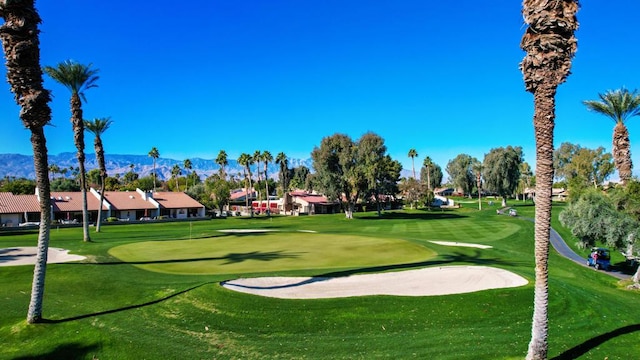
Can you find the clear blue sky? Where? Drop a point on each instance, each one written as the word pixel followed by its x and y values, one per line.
pixel 196 77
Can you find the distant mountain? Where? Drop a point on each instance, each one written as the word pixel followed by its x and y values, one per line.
pixel 22 165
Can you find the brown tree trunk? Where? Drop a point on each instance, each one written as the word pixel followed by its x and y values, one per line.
pixel 543 122
pixel 622 152
pixel 78 138
pixel 41 166
pixel 103 175
pixel 21 45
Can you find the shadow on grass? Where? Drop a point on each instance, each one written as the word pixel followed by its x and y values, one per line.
pixel 113 311
pixel 231 258
pixel 67 351
pixel 581 349
pixel 413 216
pixel 447 259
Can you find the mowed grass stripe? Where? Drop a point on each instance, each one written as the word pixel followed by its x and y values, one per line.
pixel 269 252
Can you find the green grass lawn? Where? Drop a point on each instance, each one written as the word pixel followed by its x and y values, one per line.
pixel 151 291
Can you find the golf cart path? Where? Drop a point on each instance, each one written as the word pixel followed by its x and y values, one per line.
pixel 563 249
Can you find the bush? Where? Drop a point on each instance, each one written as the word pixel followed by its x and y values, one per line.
pixel 112 219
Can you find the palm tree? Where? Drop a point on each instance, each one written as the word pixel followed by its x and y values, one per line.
pixel 175 171
pixel 428 163
pixel 266 159
pixel 257 157
pixel 154 153
pixel 77 78
pixel 412 154
pixel 222 161
pixel 283 162
pixel 619 105
pixel 97 127
pixel 477 168
pixel 550 44
pixel 245 160
pixel 187 165
pixel 21 46
pixel 54 169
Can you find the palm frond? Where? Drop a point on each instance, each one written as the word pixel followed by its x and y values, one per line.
pixel 74 76
pixel 619 105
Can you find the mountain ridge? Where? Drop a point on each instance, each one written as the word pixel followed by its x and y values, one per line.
pixel 21 166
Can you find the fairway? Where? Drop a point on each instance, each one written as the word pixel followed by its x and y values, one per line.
pixel 256 252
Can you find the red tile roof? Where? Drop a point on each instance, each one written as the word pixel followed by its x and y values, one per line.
pixel 127 200
pixel 72 201
pixel 175 200
pixel 314 199
pixel 18 204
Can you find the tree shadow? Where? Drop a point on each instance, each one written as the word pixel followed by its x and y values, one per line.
pixel 231 258
pixel 413 216
pixel 69 351
pixel 581 349
pixel 113 311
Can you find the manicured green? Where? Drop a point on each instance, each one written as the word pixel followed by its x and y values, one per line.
pixel 111 308
pixel 269 252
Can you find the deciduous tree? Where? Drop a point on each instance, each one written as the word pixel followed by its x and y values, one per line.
pixel 502 171
pixel 461 173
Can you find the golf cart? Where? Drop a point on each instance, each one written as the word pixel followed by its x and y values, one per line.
pixel 599 258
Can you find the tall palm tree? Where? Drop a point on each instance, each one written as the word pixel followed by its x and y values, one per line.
pixel 223 162
pixel 187 165
pixel 477 168
pixel 246 160
pixel 283 162
pixel 550 44
pixel 154 153
pixel 77 78
pixel 428 163
pixel 97 127
pixel 266 159
pixel 256 158
pixel 175 171
pixel 619 105
pixel 21 46
pixel 413 154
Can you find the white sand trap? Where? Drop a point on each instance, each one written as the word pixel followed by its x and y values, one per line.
pixel 245 231
pixel 421 282
pixel 27 256
pixel 454 243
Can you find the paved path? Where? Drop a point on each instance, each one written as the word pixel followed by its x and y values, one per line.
pixel 563 249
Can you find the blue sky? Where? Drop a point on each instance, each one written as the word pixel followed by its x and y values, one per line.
pixel 196 77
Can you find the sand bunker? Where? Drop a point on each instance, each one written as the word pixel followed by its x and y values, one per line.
pixel 421 282
pixel 454 243
pixel 27 256
pixel 245 231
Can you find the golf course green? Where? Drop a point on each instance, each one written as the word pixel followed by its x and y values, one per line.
pixel 269 252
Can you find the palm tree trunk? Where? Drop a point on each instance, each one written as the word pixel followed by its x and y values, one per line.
pixel 78 137
pixel 103 174
pixel 621 152
pixel 21 46
pixel 544 103
pixel 38 143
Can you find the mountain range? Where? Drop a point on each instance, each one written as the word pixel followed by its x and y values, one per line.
pixel 21 166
